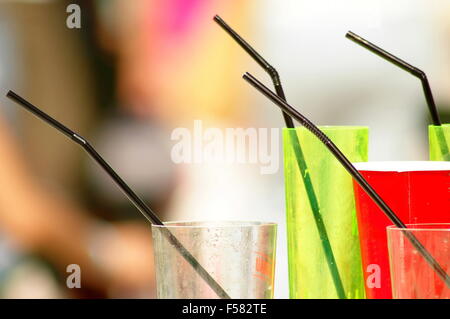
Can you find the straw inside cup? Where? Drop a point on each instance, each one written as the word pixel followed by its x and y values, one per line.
pixel 350 169
pixel 410 275
pixel 239 254
pixel 312 198
pixel 146 211
pixel 443 144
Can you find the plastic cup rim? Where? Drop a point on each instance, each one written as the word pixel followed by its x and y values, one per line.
pixel 421 227
pixel 332 127
pixel 402 166
pixel 443 124
pixel 215 224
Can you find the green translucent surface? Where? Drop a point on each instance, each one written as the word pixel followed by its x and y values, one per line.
pixel 439 137
pixel 309 274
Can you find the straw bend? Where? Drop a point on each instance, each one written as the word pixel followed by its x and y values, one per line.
pixel 404 66
pixel 146 211
pixel 352 171
pixel 303 168
pixel 416 72
pixel 273 73
pixel 244 44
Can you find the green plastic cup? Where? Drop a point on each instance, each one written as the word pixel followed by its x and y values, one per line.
pixel 439 137
pixel 309 269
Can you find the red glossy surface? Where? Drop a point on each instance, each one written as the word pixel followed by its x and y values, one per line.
pixel 416 197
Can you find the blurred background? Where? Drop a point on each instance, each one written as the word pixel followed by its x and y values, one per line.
pixel 135 71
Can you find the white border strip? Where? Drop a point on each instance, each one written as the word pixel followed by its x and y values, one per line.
pixel 403 166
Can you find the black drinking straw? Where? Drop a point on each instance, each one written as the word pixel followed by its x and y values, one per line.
pixel 412 70
pixel 132 196
pixel 351 170
pixel 303 168
pixel 273 73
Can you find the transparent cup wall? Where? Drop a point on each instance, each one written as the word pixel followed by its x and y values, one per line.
pixel 240 256
pixel 412 277
pixel 309 273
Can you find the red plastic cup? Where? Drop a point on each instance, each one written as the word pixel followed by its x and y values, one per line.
pixel 418 192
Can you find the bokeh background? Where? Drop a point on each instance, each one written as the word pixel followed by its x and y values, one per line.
pixel 135 71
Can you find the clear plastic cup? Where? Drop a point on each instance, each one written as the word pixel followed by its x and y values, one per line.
pixel 240 256
pixel 411 276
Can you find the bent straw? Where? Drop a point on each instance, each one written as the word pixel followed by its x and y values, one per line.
pixel 415 72
pixel 351 170
pixel 132 196
pixel 303 168
pixel 273 73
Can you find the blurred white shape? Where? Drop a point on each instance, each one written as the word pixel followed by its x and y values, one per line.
pixel 30 280
pixel 139 152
